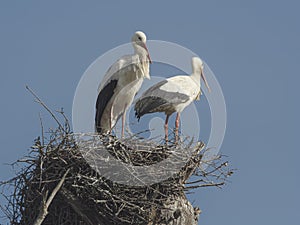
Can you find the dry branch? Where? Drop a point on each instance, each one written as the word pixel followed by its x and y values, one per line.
pixel 45 204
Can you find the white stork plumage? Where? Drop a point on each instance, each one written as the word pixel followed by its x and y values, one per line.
pixel 120 84
pixel 172 95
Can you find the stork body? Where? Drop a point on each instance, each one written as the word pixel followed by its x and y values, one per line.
pixel 120 84
pixel 172 95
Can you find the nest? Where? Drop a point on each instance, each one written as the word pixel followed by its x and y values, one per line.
pixel 58 185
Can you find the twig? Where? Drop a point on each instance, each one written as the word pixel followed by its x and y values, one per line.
pixel 42 131
pixel 206 185
pixel 45 106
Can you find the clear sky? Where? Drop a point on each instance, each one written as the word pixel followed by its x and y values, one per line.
pixel 252 47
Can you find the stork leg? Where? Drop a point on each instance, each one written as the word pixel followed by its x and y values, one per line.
pixel 123 123
pixel 166 128
pixel 177 127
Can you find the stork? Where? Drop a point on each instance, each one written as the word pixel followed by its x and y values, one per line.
pixel 172 95
pixel 120 84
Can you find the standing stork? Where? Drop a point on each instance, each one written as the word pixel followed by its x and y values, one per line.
pixel 172 95
pixel 120 84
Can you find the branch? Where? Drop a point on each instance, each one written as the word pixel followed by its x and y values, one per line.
pixel 43 213
pixel 206 185
pixel 45 106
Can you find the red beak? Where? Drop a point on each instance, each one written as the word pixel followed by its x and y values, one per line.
pixel 205 81
pixel 148 55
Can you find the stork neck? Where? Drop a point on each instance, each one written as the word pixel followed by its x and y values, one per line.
pixel 196 77
pixel 139 50
pixel 143 59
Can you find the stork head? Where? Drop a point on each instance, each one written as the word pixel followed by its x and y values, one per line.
pixel 198 67
pixel 139 43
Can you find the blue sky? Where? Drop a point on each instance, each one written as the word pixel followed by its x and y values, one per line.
pixel 251 46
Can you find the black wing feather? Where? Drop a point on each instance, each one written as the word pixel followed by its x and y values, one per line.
pixel 148 105
pixel 156 100
pixel 102 100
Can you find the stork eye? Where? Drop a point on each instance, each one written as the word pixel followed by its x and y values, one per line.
pixel 140 38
